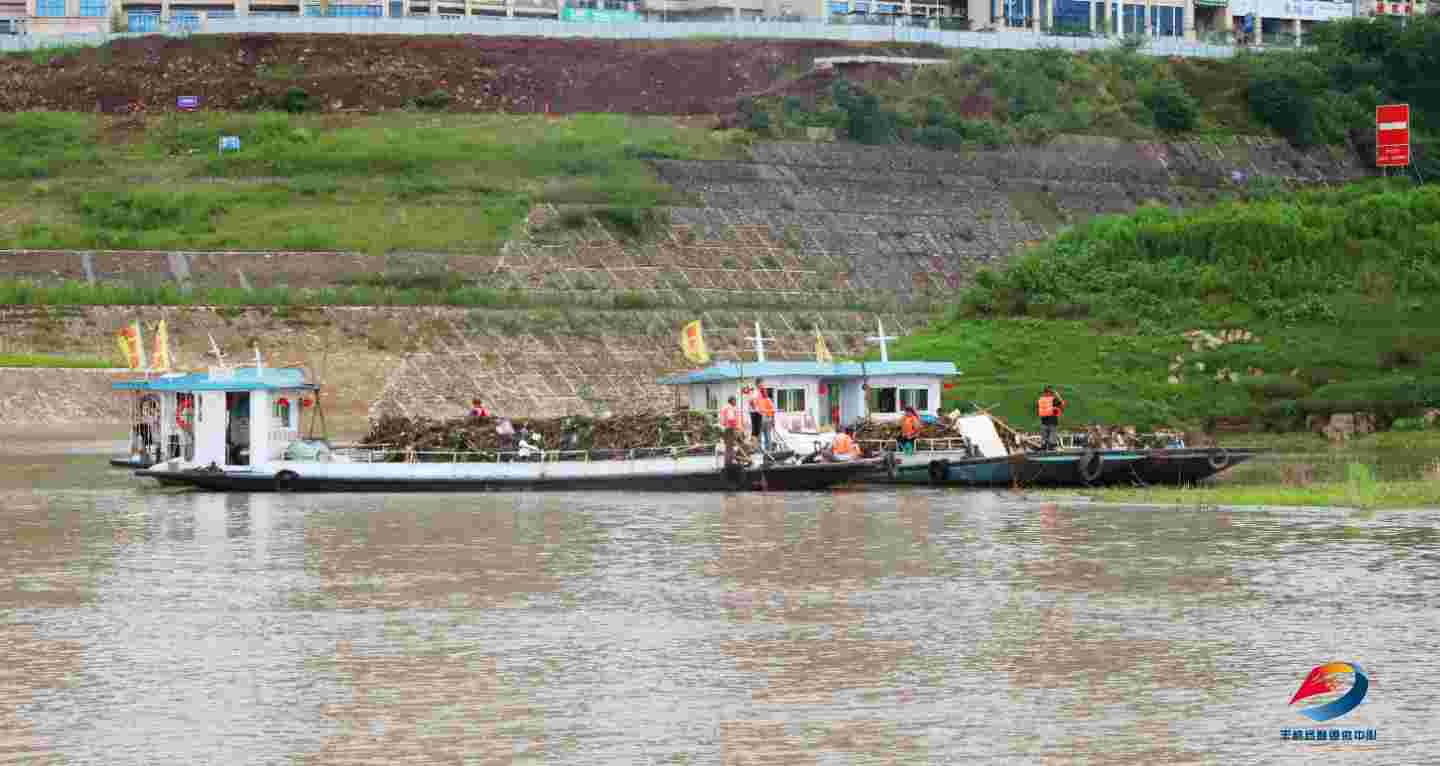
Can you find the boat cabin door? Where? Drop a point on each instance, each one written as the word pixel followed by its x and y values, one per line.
pixel 237 428
pixel 830 403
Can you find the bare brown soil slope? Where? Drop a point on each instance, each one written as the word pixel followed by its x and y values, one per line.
pixel 369 72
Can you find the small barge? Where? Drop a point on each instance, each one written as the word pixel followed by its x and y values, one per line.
pixel 978 458
pixel 238 429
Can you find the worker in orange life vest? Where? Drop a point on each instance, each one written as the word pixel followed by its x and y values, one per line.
pixel 844 447
pixel 762 414
pixel 1049 407
pixel 909 429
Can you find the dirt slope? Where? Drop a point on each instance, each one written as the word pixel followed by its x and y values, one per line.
pixel 384 72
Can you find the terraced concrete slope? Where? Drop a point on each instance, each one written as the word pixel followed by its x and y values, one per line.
pixel 912 220
pixel 801 237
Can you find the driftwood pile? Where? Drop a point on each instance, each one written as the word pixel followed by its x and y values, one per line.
pixel 470 434
pixel 874 430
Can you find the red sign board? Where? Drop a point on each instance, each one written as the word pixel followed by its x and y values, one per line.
pixel 1392 136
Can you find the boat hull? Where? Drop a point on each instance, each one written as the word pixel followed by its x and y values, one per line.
pixel 121 462
pixel 1068 469
pixel 773 478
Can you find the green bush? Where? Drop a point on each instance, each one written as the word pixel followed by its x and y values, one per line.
pixel 1172 108
pixel 1280 100
pixel 295 100
pixel 435 100
pixel 148 211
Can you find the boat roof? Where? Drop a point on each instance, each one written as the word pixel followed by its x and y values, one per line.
pixel 726 371
pixel 236 379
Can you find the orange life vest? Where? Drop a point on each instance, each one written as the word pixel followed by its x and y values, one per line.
pixel 1046 406
pixel 763 405
pixel 909 426
pixel 729 418
pixel 844 445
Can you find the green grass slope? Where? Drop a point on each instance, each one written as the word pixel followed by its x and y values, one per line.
pixel 405 181
pixel 1339 290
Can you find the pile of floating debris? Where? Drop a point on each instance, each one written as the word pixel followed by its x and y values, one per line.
pixel 471 434
pixel 876 430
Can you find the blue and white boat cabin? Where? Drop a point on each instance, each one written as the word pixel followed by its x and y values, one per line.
pixel 228 416
pixel 819 396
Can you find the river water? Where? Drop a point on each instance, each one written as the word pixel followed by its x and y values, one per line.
pixel 148 626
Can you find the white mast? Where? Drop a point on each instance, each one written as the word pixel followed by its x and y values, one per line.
pixel 759 342
pixel 881 338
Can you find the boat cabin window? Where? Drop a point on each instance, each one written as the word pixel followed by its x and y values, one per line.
pixel 284 411
pixel 892 400
pixel 712 398
pixel 787 399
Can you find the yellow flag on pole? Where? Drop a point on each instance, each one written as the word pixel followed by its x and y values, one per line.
pixel 137 342
pixel 122 340
pixel 822 353
pixel 132 346
pixel 692 342
pixel 162 347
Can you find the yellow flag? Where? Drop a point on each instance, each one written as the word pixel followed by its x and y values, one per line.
pixel 162 348
pixel 137 346
pixel 692 342
pixel 122 340
pixel 822 353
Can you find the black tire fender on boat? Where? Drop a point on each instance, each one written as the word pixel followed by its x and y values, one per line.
pixel 939 471
pixel 735 475
pixel 1091 464
pixel 1219 458
pixel 285 481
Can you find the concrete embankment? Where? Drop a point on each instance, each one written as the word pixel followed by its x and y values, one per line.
pixel 800 237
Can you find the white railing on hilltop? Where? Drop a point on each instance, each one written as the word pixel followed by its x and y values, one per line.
pixel 641 30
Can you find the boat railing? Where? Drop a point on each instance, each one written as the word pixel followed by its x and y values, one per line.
pixel 942 444
pixel 383 454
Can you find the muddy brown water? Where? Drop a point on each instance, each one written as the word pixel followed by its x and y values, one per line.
pixel 146 626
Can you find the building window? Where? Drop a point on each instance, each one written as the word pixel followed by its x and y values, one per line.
pixel 92 8
pixel 142 22
pixel 787 399
pixel 397 8
pixel 49 8
pixel 889 401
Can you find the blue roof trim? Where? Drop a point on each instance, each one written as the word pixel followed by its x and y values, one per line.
pixel 727 371
pixel 245 379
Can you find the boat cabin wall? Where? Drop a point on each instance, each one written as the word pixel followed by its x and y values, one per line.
pixel 887 396
pixel 274 422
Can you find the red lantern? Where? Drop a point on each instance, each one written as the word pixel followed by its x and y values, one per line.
pixel 949 386
pixel 824 389
pixel 306 402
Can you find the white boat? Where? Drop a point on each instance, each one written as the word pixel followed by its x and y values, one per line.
pixel 238 428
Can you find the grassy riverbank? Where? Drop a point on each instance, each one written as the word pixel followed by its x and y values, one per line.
pixel 1339 291
pixel 1383 470
pixel 56 361
pixel 378 183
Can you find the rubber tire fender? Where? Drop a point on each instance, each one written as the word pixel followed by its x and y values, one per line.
pixel 1218 458
pixel 285 481
pixel 1091 457
pixel 939 471
pixel 892 466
